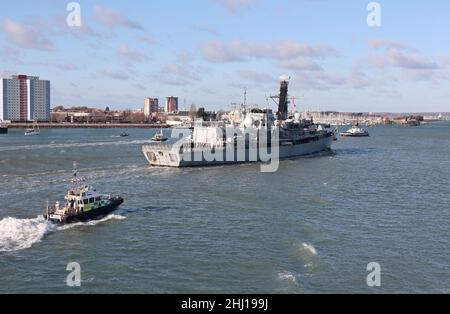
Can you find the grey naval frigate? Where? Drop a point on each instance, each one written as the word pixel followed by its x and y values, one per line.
pixel 258 136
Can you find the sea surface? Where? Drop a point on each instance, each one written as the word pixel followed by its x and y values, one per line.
pixel 311 227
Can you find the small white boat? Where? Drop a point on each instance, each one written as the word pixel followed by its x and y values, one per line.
pixel 33 131
pixel 159 137
pixel 356 131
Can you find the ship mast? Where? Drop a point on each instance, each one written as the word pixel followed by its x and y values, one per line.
pixel 283 100
pixel 75 179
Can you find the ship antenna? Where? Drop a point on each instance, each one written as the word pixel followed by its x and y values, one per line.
pixel 245 96
pixel 75 169
pixel 75 174
pixel 48 211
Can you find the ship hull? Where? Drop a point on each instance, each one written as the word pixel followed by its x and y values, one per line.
pixel 164 156
pixel 94 214
pixel 3 130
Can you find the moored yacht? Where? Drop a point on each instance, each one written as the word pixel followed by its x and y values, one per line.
pixel 33 131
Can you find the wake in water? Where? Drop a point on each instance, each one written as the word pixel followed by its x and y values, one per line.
pixel 20 234
pixel 288 277
pixel 309 249
pixel 91 223
pixel 72 145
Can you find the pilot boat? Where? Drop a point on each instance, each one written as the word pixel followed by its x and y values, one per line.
pixel 83 203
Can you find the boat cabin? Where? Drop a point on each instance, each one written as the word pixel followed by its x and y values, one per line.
pixel 83 199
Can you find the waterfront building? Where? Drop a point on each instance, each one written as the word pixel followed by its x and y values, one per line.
pixel 172 104
pixel 24 98
pixel 151 106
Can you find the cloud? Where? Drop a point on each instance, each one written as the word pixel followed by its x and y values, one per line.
pixel 175 81
pixel 85 30
pixel 396 58
pixel 148 38
pixel 11 55
pixel 113 18
pixel 235 6
pixel 301 64
pixel 397 54
pixel 256 77
pixel 387 43
pixel 113 75
pixel 6 73
pixel 410 61
pixel 206 29
pixel 67 67
pixel 25 37
pixel 129 55
pixel 182 72
pixel 220 52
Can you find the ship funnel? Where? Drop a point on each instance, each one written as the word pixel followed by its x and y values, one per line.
pixel 283 104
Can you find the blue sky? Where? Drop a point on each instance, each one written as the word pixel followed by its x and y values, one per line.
pixel 207 51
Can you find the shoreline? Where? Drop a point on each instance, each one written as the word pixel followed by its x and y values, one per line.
pixel 121 125
pixel 88 126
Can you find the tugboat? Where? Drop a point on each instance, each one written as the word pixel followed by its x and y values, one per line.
pixel 356 131
pixel 159 137
pixel 83 203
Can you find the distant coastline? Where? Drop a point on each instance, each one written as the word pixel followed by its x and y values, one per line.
pixel 89 126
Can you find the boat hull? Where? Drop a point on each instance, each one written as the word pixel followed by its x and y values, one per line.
pixel 354 135
pixel 94 214
pixel 164 156
pixel 3 130
pixel 32 133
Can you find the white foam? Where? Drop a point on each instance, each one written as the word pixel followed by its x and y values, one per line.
pixel 19 234
pixel 72 145
pixel 287 276
pixel 91 223
pixel 309 248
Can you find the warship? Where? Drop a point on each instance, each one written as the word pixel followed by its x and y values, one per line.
pixel 258 136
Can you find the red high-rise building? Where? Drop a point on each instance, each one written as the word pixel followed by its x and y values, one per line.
pixel 24 98
pixel 172 104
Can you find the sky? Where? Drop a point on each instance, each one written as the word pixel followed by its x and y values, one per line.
pixel 206 52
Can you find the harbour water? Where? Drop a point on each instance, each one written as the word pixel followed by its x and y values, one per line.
pixel 311 227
